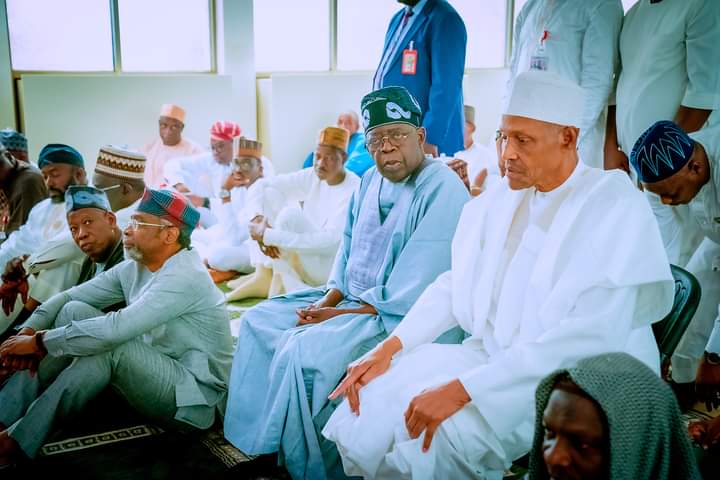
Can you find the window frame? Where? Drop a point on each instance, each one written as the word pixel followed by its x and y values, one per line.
pixel 333 43
pixel 117 52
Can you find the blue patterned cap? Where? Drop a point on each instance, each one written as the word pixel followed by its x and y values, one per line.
pixel 662 151
pixel 59 153
pixel 390 105
pixel 171 206
pixel 85 196
pixel 13 140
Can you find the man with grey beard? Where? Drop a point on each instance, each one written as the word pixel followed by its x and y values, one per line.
pixel 168 353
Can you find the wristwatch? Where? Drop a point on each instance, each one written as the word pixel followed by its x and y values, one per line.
pixel 224 193
pixel 712 358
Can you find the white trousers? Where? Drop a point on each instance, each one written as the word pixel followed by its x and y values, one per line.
pixel 300 269
pixel 222 253
pixel 376 444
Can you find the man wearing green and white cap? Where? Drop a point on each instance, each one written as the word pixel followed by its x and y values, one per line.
pixel 396 241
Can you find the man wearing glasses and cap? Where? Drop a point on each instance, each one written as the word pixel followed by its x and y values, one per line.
pixel 225 246
pixel 292 348
pixel 168 353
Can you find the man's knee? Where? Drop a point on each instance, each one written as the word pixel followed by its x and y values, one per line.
pixel 289 218
pixel 75 310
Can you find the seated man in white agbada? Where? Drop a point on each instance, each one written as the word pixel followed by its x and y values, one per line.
pixel 225 247
pixel 535 287
pixel 296 246
pixel 208 180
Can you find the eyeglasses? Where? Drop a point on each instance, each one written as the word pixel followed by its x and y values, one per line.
pixel 395 138
pixel 134 225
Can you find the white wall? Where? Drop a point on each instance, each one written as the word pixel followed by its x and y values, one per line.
pixel 484 90
pixel 88 111
pixel 294 107
pixel 301 105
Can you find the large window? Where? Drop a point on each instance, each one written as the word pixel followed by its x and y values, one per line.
pixel 361 28
pixel 77 35
pixel 291 35
pixel 52 35
pixel 164 35
pixel 485 24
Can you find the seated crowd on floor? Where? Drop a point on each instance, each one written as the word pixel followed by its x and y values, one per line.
pixel 422 315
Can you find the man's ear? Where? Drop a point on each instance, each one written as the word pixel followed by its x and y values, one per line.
pixel 172 235
pixel 422 135
pixel 126 188
pixel 80 176
pixel 569 136
pixel 111 218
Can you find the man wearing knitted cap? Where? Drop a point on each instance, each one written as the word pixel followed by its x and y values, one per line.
pixel 167 353
pixel 56 265
pixel 682 170
pixel 169 146
pixel 298 222
pixel 609 417
pixel 225 246
pixel 208 179
pixel 292 349
pixel 61 166
pixel 120 173
pixel 15 143
pixel 94 230
pixel 533 283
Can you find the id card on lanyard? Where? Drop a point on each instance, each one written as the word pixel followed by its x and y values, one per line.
pixel 540 60
pixel 409 60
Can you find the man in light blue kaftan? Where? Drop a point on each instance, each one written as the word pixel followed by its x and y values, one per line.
pixel 293 349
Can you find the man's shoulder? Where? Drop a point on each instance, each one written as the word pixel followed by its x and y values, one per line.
pixel 440 9
pixel 42 205
pixel 610 184
pixel 28 176
pixel 351 180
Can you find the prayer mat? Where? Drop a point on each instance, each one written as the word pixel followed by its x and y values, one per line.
pixel 237 308
pixel 110 441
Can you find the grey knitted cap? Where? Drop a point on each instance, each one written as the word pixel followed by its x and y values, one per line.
pixel 648 438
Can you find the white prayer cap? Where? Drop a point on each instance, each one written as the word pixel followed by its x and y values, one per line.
pixel 547 97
